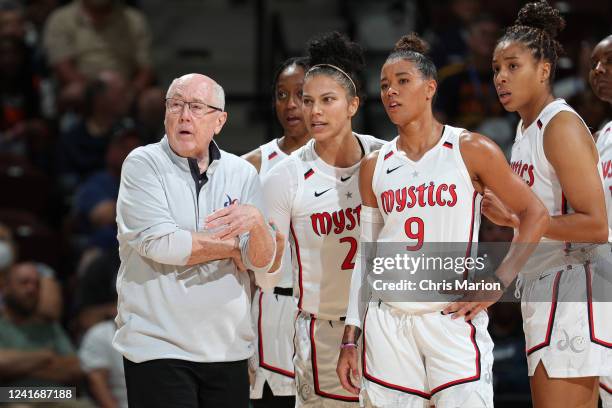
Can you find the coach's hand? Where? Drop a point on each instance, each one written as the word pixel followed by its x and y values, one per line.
pixel 348 364
pixel 234 220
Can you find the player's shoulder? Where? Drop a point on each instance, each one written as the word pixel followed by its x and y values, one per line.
pixel 604 135
pixel 253 157
pixel 370 142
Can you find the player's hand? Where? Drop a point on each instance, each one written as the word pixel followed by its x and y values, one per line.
pixel 472 303
pixel 496 211
pixel 234 220
pixel 348 370
pixel 280 247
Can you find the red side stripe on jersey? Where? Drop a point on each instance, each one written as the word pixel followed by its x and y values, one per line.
pixel 551 316
pixel 605 388
pixel 380 382
pixel 315 372
pixel 475 377
pixel 448 144
pixel 388 155
pixel 272 155
pixel 539 122
pixel 468 252
pixel 472 222
pixel 594 339
pixel 260 346
pixel 299 261
pixel 309 173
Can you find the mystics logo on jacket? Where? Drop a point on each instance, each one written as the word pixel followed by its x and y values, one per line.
pixel 229 201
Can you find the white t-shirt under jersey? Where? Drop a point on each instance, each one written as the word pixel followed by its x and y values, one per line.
pixel 317 206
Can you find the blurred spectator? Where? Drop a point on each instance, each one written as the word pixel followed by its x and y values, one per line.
pixel 8 251
pixel 150 111
pixel 24 24
pixel 96 293
pixel 86 37
pixel 96 198
pixel 388 19
pixel 50 302
pixel 82 147
pixel 12 19
pixel 32 351
pixel 21 124
pixel 449 43
pixel 103 366
pixel 466 95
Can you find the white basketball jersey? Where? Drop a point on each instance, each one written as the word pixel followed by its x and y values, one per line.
pixel 271 155
pixel 433 199
pixel 324 230
pixel 604 146
pixel 530 163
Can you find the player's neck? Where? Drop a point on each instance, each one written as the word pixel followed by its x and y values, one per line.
pixel 339 151
pixel 288 144
pixel 419 136
pixel 532 110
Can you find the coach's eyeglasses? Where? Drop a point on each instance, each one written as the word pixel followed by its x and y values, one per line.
pixel 198 109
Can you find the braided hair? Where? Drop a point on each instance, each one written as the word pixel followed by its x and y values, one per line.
pixel 537 27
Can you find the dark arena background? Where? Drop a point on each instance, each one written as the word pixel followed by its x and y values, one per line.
pixel 65 129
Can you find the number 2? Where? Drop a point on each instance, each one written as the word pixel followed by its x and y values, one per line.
pixel 349 263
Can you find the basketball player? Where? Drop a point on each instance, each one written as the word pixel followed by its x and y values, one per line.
pixel 314 195
pixel 600 77
pixel 568 342
pixel 413 355
pixel 274 311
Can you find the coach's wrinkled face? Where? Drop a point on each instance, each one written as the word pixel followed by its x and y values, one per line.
pixel 194 114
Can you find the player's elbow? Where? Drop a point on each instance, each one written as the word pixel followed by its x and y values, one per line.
pixel 601 232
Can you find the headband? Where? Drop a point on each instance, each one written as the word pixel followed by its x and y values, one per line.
pixel 337 69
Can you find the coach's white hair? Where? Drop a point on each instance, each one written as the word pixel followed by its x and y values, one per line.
pixel 218 94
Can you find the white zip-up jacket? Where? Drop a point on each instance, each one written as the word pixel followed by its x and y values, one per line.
pixel 167 309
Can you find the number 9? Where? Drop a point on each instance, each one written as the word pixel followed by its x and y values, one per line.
pixel 418 235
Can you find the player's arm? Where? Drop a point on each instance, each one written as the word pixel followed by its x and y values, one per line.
pixel 570 150
pixel 371 224
pixel 145 223
pixel 488 167
pixel 254 157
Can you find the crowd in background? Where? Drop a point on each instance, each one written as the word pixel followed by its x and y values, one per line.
pixel 79 91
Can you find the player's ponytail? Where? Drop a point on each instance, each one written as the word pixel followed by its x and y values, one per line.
pixel 537 27
pixel 413 48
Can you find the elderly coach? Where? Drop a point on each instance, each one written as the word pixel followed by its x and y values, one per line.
pixel 189 226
